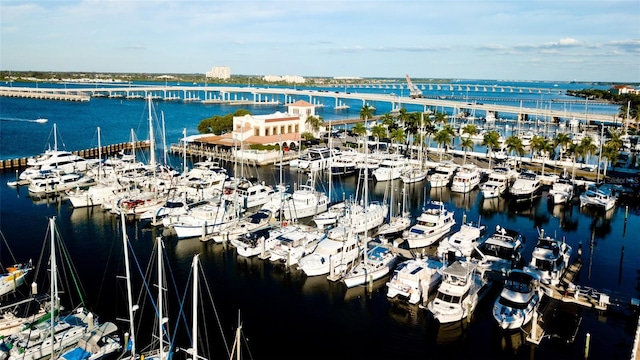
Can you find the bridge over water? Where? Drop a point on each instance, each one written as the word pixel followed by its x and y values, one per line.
pixel 258 95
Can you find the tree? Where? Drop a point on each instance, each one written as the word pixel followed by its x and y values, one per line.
pixel 563 140
pixel 359 129
pixel 443 138
pixel 514 145
pixel 611 153
pixel 366 112
pixel 466 144
pixel 491 140
pixel 574 150
pixel 378 131
pixel 543 147
pixel 587 148
pixel 314 122
pixel 398 136
pixel 470 129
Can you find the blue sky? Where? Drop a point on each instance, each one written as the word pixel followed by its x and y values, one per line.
pixel 557 40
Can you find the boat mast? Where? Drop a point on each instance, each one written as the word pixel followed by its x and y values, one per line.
pixel 184 150
pixel 161 319
pixel 194 325
pixel 152 143
pixel 99 157
pixel 132 308
pixel 53 281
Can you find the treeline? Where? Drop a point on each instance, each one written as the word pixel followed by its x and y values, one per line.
pixel 220 124
pixel 630 101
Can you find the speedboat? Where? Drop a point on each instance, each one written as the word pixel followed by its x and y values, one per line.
pixel 518 300
pixel 431 226
pixel 414 279
pixel 549 260
pixel 458 295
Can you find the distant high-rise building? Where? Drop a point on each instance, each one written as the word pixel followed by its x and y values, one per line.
pixel 219 72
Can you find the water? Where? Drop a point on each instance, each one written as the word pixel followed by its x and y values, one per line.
pixel 284 313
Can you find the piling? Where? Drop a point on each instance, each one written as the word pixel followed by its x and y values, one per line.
pixel 587 343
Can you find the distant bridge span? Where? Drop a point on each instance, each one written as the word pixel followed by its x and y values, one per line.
pixel 256 95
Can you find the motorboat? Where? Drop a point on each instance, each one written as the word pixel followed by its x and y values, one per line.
pixel 203 220
pixel 561 191
pixel 442 174
pixel 318 158
pixel 414 174
pixel 433 224
pixel 549 260
pixel 466 178
pixel 332 255
pixel 344 164
pixel 527 186
pixel 55 182
pixel 458 295
pixel 395 227
pixel 258 220
pixel 499 180
pixel 249 193
pixel 305 202
pixel 14 277
pixel 598 197
pixel 331 216
pixel 292 242
pixel 414 279
pixel 462 242
pixel 518 300
pixel 377 261
pixel 500 252
pixel 255 242
pixel 391 169
pixel 359 218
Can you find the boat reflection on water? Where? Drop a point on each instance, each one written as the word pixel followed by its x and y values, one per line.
pixel 511 342
pixel 492 206
pixel 453 333
pixel 465 200
pixel 366 290
pixel 597 212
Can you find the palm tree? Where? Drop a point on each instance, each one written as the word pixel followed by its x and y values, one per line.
pixel 443 138
pixel 378 131
pixel 515 146
pixel 574 150
pixel 543 147
pixel 491 140
pixel 359 129
pixel 440 118
pixel 314 122
pixel 470 129
pixel 366 112
pixel 563 140
pixel 611 153
pixel 466 144
pixel 587 147
pixel 387 120
pixel 398 136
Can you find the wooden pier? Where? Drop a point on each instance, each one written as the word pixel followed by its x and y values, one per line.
pixel 106 151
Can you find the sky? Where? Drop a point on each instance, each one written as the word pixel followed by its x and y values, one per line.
pixel 549 40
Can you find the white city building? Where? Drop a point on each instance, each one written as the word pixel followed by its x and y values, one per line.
pixel 219 72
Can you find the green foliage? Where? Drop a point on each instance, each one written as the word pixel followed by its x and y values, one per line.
pixel 220 124
pixel 307 135
pixel 264 147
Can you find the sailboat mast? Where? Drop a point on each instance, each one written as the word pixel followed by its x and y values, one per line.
pixel 184 150
pixel 55 137
pixel 129 290
pixel 194 325
pixel 53 281
pixel 160 304
pixel 99 156
pixel 152 143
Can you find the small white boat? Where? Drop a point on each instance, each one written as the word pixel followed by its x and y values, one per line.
pixel 41 120
pixel 443 173
pixel 517 301
pixel 14 277
pixel 527 186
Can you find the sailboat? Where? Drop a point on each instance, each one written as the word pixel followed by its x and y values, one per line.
pixel 419 172
pixel 50 338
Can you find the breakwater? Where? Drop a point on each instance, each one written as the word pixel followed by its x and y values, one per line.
pixel 92 153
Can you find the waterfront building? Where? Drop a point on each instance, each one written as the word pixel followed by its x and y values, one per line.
pixel 219 72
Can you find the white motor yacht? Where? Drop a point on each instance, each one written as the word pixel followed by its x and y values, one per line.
pixel 458 295
pixel 517 301
pixel 377 261
pixel 527 186
pixel 549 260
pixel 331 256
pixel 414 279
pixel 561 191
pixel 432 225
pixel 598 197
pixel 466 178
pixel 500 252
pixel 443 174
pixel 294 241
pixel 462 242
pixel 391 169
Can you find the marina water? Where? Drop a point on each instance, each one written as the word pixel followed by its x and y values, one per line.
pixel 284 313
